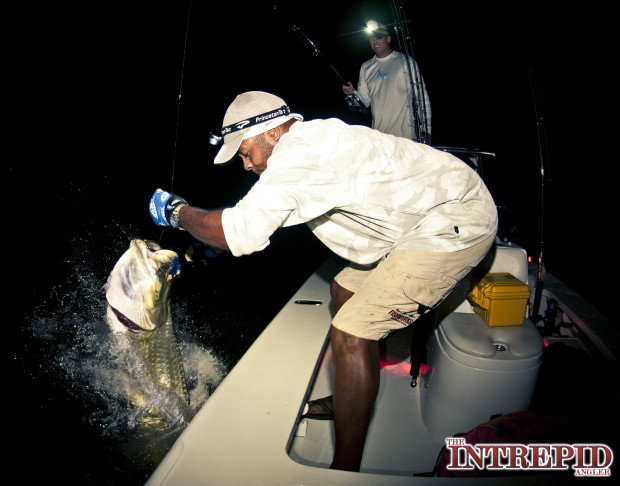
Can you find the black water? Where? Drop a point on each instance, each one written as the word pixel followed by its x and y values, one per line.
pixel 93 132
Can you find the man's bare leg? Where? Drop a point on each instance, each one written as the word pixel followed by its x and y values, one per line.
pixel 355 389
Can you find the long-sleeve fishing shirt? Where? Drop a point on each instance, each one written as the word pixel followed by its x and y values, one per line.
pixel 385 85
pixel 363 193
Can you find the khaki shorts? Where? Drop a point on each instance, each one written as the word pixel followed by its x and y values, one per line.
pixel 400 288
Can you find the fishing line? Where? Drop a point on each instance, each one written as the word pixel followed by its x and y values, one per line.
pixel 176 134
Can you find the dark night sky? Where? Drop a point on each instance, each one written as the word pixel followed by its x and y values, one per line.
pixel 96 89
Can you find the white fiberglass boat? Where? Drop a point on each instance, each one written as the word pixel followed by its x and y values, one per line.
pixel 250 430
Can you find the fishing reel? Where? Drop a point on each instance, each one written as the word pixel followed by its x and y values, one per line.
pixel 355 105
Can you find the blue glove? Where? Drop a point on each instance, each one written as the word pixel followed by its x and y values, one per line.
pixel 164 208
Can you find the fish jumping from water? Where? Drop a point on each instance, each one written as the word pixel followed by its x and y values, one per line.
pixel 139 309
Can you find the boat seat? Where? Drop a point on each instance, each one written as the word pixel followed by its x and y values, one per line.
pixel 476 371
pixel 503 257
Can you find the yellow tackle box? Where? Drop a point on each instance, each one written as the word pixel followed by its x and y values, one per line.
pixel 500 299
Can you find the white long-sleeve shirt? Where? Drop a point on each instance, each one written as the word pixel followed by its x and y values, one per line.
pixel 384 85
pixel 363 193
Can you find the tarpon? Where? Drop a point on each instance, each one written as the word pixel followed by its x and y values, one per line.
pixel 139 309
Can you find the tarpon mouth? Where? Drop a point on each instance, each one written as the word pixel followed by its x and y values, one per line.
pixel 128 323
pixel 159 256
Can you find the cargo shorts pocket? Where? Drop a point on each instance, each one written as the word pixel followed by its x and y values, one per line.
pixel 428 293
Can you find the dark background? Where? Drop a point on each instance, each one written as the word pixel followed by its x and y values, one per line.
pixel 95 90
pixel 95 124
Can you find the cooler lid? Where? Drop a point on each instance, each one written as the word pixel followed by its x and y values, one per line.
pixel 466 338
pixel 499 286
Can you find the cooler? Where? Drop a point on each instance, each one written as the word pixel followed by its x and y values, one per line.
pixel 500 299
pixel 476 371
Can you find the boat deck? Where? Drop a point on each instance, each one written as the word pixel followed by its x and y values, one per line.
pixel 249 431
pixel 397 421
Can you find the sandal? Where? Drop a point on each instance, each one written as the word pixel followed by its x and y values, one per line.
pixel 322 411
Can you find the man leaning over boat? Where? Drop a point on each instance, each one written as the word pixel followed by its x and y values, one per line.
pixel 411 220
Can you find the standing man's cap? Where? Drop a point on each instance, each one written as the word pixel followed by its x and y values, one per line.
pixel 251 114
pixel 376 29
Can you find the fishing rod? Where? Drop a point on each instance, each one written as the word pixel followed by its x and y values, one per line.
pixel 352 101
pixel 420 116
pixel 543 157
pixel 176 134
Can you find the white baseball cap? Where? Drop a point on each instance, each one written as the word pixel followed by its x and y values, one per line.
pixel 251 114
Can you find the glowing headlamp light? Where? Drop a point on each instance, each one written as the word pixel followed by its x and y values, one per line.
pixel 371 26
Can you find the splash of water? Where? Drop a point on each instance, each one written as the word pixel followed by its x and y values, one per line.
pixel 96 368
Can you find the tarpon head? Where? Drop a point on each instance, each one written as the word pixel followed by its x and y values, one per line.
pixel 138 288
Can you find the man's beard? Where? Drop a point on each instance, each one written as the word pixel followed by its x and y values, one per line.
pixel 265 150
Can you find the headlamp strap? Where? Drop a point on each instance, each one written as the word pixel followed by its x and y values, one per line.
pixel 255 120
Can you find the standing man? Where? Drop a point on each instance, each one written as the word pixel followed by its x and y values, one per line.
pixel 386 86
pixel 411 220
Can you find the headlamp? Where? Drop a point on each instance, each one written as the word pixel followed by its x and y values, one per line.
pixel 371 26
pixel 215 139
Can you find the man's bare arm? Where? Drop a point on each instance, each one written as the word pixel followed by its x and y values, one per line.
pixel 204 225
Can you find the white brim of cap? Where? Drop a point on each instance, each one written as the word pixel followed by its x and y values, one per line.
pixel 230 148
